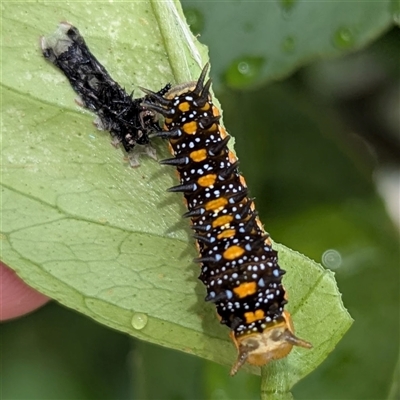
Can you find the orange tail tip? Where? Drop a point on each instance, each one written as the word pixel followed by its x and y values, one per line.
pixel 276 341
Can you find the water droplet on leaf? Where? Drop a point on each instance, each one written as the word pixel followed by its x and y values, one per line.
pixel 244 71
pixel 331 259
pixel 195 20
pixel 343 38
pixel 139 320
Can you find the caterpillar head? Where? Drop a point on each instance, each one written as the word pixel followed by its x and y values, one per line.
pixel 259 348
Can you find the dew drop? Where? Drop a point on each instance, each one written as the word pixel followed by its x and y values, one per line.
pixel 244 71
pixel 343 38
pixel 331 259
pixel 288 44
pixel 244 68
pixel 195 20
pixel 139 320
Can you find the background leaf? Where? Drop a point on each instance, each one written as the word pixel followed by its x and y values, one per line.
pixel 272 38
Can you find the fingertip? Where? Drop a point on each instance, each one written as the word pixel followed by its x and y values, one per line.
pixel 16 297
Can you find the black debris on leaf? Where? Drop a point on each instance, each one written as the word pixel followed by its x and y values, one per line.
pixel 128 122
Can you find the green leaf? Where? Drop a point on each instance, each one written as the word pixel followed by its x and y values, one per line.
pixel 99 237
pixel 273 38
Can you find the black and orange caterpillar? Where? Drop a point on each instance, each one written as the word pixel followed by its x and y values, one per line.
pixel 238 265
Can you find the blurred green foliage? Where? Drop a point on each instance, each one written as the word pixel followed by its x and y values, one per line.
pixel 314 188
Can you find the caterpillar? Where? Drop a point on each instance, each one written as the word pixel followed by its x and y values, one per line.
pixel 117 112
pixel 238 265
